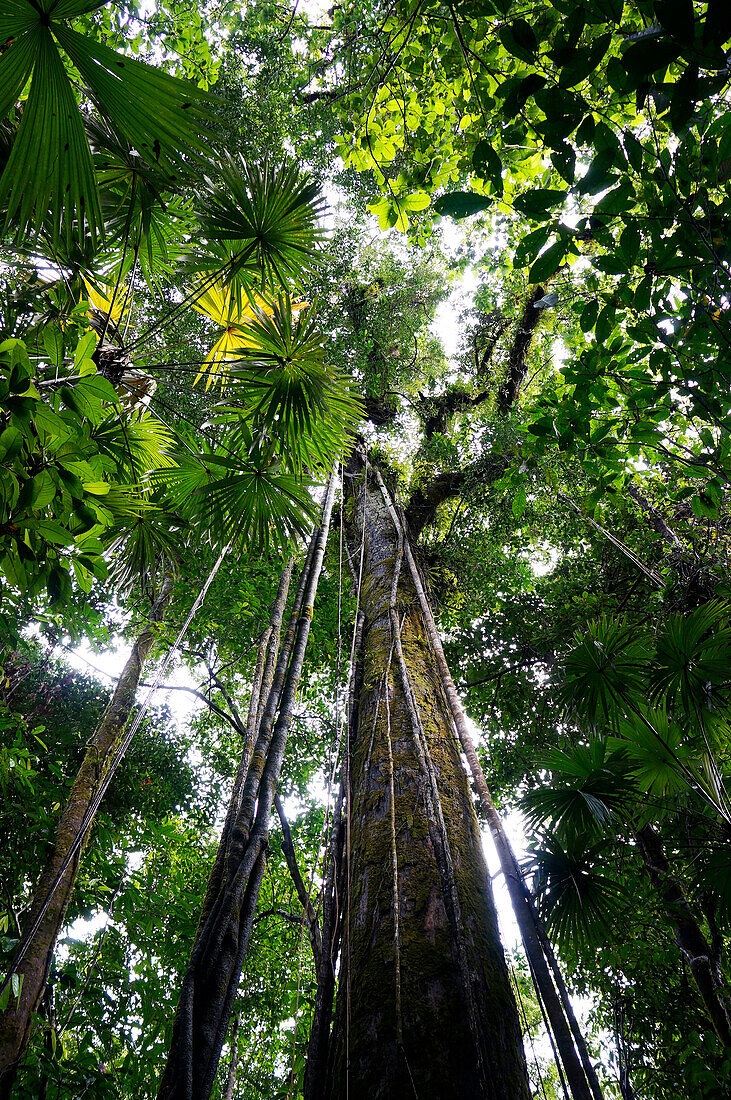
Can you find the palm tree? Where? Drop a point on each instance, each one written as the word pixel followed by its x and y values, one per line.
pixel 284 410
pixel 662 753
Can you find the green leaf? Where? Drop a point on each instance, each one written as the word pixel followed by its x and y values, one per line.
pixel 549 261
pixel 461 204
pixel 584 61
pixel 531 245
pixel 98 387
pixel 85 347
pixel 647 56
pixel 704 506
pixel 677 17
pixel 162 117
pixel 44 490
pixel 487 164
pixel 537 202
pixel 519 502
pixel 52 532
pixel 53 344
pixel 519 39
pixel 634 150
pixel 16 64
pixel 49 172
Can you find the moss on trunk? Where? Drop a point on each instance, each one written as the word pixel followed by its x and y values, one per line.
pixel 16 1021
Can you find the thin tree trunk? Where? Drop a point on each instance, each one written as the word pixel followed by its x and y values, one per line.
pixel 453 1031
pixel 267 657
pixel 309 916
pixel 318 1049
pixel 580 1073
pixel 234 1063
pixel 211 980
pixel 688 933
pixel 38 945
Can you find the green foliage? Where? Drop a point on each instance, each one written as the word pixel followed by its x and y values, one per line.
pixel 259 224
pixel 151 110
pixel 55 481
pixel 587 145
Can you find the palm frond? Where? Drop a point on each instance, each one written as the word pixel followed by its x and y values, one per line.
pixel 285 387
pixel 655 750
pixel 579 903
pixel 48 177
pixel 606 667
pixel 260 222
pixel 137 445
pixel 49 174
pixel 693 657
pixel 239 492
pixel 140 539
pixel 160 115
pixel 587 791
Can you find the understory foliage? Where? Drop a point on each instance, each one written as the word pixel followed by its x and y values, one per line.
pixel 487 243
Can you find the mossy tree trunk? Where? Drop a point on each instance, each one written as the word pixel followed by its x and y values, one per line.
pixel 56 884
pixel 424 1005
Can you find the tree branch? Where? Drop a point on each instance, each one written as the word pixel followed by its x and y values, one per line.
pixel 309 914
pixel 517 364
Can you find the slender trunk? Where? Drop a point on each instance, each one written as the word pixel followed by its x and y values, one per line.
pixel 309 916
pixel 316 1068
pixel 234 1063
pixel 688 933
pixel 38 943
pixel 267 656
pixel 425 1006
pixel 580 1073
pixel 211 980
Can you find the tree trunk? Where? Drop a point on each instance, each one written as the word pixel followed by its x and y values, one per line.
pixel 688 933
pixel 425 1006
pixel 580 1073
pixel 212 976
pixel 234 1063
pixel 38 943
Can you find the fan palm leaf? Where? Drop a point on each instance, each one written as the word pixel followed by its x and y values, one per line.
pixel 579 903
pixel 220 304
pixel 49 175
pixel 606 667
pixel 693 657
pixel 260 224
pixel 588 789
pixel 239 492
pixel 285 386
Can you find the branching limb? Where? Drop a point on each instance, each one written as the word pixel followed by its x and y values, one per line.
pixel 309 914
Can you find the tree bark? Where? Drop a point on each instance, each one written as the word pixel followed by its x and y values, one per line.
pixel 688 933
pixel 517 359
pixel 333 895
pixel 38 943
pixel 424 1006
pixel 580 1073
pixel 234 1063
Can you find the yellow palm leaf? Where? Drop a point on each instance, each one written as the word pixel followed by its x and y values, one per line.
pixel 103 303
pixel 224 308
